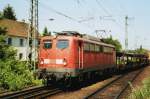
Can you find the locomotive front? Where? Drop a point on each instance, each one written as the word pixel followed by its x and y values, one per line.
pixel 56 58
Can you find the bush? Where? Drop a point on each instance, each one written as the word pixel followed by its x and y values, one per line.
pixel 14 75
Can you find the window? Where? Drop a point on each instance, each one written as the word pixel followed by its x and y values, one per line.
pixel 92 47
pixel 108 49
pixel 97 48
pixel 21 42
pixel 9 41
pixel 30 56
pixel 105 49
pixel 20 56
pixel 61 44
pixel 47 44
pixel 86 47
pixel 101 48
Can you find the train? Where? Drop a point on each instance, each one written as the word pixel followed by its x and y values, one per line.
pixel 70 56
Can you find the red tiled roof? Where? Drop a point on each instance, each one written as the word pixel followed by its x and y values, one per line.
pixel 15 28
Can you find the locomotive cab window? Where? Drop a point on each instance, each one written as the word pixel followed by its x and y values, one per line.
pixel 62 44
pixel 47 44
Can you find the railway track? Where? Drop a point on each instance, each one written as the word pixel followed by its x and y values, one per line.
pixel 127 85
pixel 37 92
pixel 115 88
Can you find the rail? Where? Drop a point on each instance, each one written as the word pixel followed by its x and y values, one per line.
pixel 127 85
pixel 102 88
pixel 40 91
pixel 115 82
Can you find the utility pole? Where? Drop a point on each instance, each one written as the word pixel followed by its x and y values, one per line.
pixel 126 33
pixel 32 35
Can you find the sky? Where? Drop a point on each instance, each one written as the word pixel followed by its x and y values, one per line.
pixel 87 16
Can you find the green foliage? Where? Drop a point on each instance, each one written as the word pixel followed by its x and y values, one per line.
pixel 6 52
pixel 1 15
pixel 9 13
pixel 142 92
pixel 114 42
pixel 37 82
pixel 14 74
pixel 139 51
pixel 45 32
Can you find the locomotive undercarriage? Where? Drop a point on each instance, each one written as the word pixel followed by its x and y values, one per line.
pixel 70 77
pixel 56 77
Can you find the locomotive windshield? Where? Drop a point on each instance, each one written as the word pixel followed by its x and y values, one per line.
pixel 61 44
pixel 47 44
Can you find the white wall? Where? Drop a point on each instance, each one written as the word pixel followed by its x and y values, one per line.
pixel 21 49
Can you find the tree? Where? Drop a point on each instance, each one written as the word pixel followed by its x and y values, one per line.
pixel 114 42
pixel 140 50
pixel 9 13
pixel 14 74
pixel 45 32
pixel 1 15
pixel 6 52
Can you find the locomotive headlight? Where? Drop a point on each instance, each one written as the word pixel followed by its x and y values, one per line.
pixel 64 61
pixel 41 62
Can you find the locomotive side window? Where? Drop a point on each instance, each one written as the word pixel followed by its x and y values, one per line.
pixel 86 47
pixel 61 44
pixel 47 44
pixel 101 48
pixel 107 49
pixel 92 47
pixel 97 48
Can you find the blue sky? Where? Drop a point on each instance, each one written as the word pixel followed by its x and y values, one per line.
pixel 108 15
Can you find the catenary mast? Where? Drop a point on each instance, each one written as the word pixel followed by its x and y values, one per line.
pixel 32 39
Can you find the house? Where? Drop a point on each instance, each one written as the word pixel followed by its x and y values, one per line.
pixel 17 33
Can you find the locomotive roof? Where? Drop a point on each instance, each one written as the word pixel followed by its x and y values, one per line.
pixel 84 37
pixel 97 42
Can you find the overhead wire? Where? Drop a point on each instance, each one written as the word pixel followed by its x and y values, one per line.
pixel 73 19
pixel 78 1
pixel 64 15
pixel 81 4
pixel 61 14
pixel 108 13
pixel 103 8
pixel 57 12
pixel 91 17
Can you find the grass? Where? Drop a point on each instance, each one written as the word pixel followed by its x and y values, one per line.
pixel 141 92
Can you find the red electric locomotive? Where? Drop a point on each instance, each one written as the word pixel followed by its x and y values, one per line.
pixel 71 56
